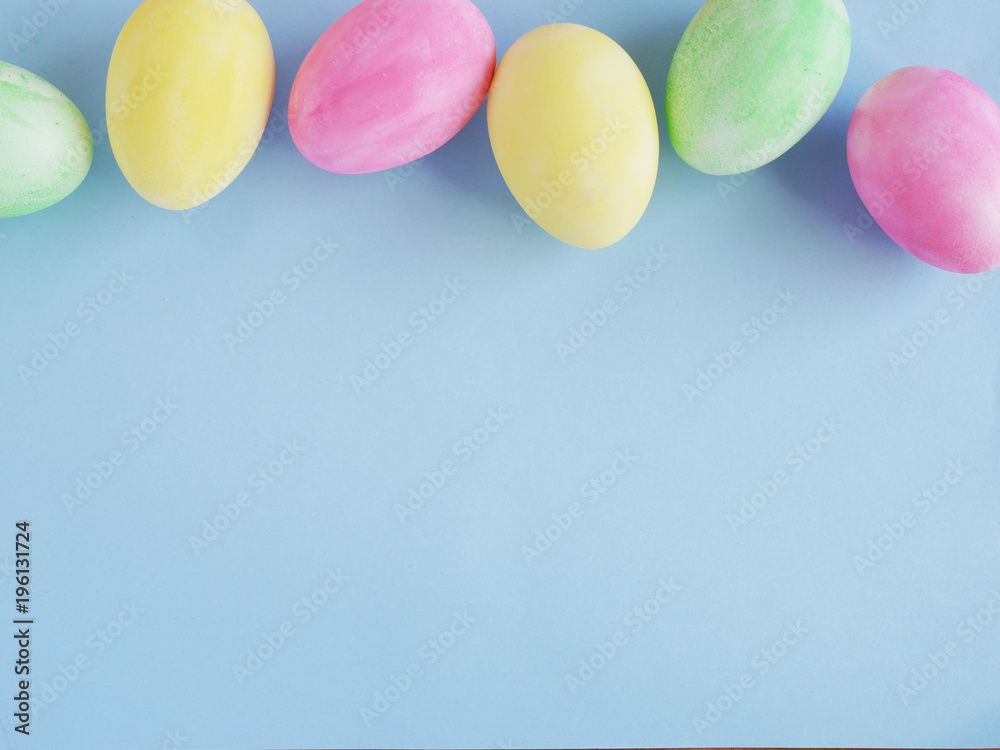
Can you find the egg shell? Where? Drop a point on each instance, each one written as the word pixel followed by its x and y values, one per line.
pixel 45 143
pixel 574 132
pixel 390 82
pixel 923 147
pixel 751 77
pixel 189 92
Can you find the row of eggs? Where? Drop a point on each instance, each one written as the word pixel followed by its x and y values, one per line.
pixel 570 117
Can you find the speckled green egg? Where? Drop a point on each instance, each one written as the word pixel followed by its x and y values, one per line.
pixel 751 77
pixel 45 144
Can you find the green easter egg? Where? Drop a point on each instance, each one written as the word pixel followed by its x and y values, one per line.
pixel 751 77
pixel 45 144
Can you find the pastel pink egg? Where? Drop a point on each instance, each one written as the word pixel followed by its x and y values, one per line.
pixel 390 82
pixel 923 147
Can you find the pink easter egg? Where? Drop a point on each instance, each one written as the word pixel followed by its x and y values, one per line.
pixel 390 82
pixel 923 147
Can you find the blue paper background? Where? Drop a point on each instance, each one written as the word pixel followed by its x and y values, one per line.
pixel 166 678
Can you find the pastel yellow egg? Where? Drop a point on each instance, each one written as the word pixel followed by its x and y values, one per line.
pixel 574 133
pixel 189 92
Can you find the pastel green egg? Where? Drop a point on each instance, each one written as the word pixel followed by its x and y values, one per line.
pixel 751 77
pixel 574 133
pixel 189 91
pixel 45 144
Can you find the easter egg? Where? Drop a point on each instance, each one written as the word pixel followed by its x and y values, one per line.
pixel 45 144
pixel 749 79
pixel 189 91
pixel 390 82
pixel 574 133
pixel 923 147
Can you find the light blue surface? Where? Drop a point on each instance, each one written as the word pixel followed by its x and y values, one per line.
pixel 168 679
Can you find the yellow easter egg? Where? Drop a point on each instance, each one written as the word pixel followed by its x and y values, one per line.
pixel 189 92
pixel 574 133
